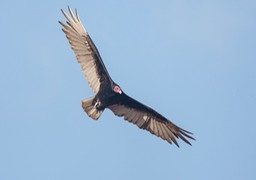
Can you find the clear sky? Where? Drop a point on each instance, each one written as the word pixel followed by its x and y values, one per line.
pixel 192 61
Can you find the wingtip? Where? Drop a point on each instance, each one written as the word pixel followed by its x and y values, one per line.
pixel 69 8
pixel 62 11
pixel 177 145
pixel 61 23
pixel 173 141
pixel 70 11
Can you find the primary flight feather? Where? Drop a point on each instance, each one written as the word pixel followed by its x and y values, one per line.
pixel 108 94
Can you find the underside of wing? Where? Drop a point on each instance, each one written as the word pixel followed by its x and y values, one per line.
pixel 148 119
pixel 86 52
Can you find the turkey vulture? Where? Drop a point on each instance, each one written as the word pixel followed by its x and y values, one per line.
pixel 107 93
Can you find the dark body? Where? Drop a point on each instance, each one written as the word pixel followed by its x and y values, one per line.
pixel 108 94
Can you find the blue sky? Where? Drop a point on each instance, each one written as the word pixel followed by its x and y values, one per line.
pixel 194 62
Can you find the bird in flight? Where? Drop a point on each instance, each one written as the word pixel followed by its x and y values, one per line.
pixel 108 94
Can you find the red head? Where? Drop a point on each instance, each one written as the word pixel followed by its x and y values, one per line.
pixel 117 89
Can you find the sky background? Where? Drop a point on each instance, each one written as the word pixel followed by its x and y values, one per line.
pixel 194 62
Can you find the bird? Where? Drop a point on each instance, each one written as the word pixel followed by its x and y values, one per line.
pixel 108 94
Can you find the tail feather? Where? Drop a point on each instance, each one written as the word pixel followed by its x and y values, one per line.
pixel 90 109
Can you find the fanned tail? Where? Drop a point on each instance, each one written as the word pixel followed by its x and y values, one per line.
pixel 90 109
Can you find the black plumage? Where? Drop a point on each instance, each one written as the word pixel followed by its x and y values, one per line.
pixel 108 94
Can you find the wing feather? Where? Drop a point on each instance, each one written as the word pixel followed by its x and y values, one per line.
pixel 86 52
pixel 95 72
pixel 154 128
pixel 148 119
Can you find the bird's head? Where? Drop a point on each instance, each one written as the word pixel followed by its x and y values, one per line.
pixel 117 89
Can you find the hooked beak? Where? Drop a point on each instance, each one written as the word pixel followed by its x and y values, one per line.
pixel 119 92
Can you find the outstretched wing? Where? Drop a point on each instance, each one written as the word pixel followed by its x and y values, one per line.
pixel 146 118
pixel 86 52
